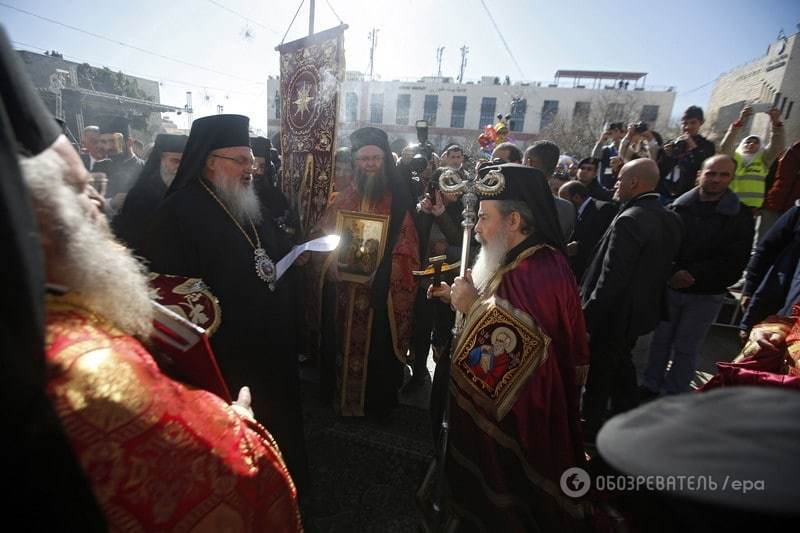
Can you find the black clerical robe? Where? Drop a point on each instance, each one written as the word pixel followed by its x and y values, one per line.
pixel 122 174
pixel 140 206
pixel 255 345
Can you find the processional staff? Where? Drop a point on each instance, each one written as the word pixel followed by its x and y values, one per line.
pixel 470 187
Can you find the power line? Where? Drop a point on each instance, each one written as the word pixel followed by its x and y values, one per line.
pixel 500 34
pixel 127 45
pixel 140 74
pixel 248 19
pixel 706 84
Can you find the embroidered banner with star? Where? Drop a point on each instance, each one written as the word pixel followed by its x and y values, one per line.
pixel 312 69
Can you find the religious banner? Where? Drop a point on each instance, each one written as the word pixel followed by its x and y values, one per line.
pixel 311 70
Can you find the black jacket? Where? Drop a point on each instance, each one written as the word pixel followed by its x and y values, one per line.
pixel 771 276
pixel 623 289
pixel 689 163
pixel 598 192
pixel 589 229
pixel 716 243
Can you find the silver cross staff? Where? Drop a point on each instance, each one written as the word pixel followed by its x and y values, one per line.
pixel 455 182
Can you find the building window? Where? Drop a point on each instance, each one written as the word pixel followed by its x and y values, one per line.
pixel 580 115
pixel 488 106
pixel 351 107
pixel 403 106
pixel 431 106
pixel 549 112
pixel 458 111
pixel 376 108
pixel 649 114
pixel 518 109
pixel 615 112
pixel 277 104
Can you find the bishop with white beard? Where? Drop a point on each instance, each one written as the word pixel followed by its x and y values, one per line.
pixel 210 226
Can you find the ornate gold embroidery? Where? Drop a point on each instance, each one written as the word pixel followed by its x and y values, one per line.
pixel 103 390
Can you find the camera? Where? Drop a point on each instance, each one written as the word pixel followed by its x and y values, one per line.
pixel 640 127
pixel 425 148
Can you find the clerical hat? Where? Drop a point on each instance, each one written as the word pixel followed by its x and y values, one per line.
pixel 527 184
pixel 369 136
pixel 261 146
pixel 738 445
pixel 209 134
pixel 167 142
pixel 115 124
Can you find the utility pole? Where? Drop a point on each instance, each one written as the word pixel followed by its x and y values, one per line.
pixel 439 52
pixel 373 42
pixel 188 108
pixel 464 51
pixel 311 19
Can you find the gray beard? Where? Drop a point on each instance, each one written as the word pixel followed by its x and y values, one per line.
pixel 110 281
pixel 371 187
pixel 489 260
pixel 241 201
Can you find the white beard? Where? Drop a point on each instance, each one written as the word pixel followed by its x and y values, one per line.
pixel 109 280
pixel 489 259
pixel 241 200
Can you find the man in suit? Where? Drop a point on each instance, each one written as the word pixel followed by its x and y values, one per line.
pixel 92 151
pixel 594 217
pixel 623 288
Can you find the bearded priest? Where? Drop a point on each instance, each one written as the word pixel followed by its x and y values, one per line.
pixel 210 226
pixel 517 367
pixel 372 312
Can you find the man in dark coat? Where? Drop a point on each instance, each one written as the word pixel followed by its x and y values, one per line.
pixel 122 167
pixel 622 290
pixel 211 226
pixel 144 198
pixel 594 217
pixel 716 244
pixel 772 277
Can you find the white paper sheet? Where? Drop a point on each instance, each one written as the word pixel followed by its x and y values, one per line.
pixel 323 244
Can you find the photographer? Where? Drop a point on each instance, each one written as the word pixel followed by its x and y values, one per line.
pixel 604 151
pixel 753 160
pixel 638 142
pixel 682 157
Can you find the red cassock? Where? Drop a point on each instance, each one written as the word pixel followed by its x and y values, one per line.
pixel 160 456
pixel 513 436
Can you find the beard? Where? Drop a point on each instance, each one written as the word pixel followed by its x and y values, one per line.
pixel 109 280
pixel 371 187
pixel 490 258
pixel 167 176
pixel 241 200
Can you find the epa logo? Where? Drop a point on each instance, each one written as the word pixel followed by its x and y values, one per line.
pixel 575 482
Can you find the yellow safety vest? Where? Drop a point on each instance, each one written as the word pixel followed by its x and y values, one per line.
pixel 750 180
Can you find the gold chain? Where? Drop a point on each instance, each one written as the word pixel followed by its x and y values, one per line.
pixel 222 205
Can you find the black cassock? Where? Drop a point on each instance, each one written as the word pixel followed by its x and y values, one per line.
pixel 255 345
pixel 140 206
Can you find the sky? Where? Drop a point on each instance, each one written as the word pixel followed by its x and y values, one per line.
pixel 224 50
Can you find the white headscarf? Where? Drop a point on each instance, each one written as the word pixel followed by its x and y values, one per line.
pixel 748 158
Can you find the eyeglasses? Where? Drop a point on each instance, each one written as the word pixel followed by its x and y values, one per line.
pixel 372 159
pixel 241 161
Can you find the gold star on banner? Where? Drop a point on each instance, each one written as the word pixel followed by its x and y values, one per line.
pixel 303 100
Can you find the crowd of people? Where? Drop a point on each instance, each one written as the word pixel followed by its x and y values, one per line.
pixel 575 260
